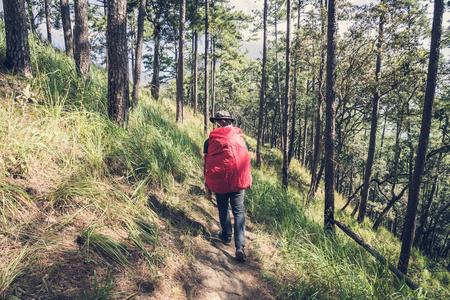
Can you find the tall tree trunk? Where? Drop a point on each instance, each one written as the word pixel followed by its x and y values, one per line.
pixel 285 123
pixel 317 153
pixel 206 111
pixel 67 27
pixel 311 150
pixel 17 47
pixel 139 42
pixel 294 112
pixel 118 91
pixel 31 16
pixel 195 88
pixel 397 151
pixel 213 76
pixel 305 138
pixel 82 54
pixel 374 123
pixel 413 197
pixel 156 66
pixel 180 70
pixel 47 22
pixel 383 134
pixel 330 117
pixel 132 41
pixel 294 104
pixel 105 11
pixel 262 93
pixel 280 104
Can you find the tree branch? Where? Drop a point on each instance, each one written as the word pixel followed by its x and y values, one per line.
pixel 377 255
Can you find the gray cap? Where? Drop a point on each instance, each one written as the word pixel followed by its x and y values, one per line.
pixel 222 115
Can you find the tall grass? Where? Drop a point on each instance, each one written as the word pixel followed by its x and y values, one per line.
pixel 10 268
pixel 317 266
pixel 92 172
pixel 155 149
pixel 111 250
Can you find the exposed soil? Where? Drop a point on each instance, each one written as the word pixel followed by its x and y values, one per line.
pixel 213 272
pixel 192 263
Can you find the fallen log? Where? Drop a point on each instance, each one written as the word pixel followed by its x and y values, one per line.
pixel 377 255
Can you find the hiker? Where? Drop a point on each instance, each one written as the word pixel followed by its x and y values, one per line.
pixel 227 173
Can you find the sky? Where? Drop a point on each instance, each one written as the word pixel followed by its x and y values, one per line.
pixel 254 48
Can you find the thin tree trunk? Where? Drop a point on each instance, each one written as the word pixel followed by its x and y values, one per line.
pixel 132 40
pixel 294 104
pixel 31 16
pixel 262 93
pixel 285 122
pixel 413 197
pixel 374 124
pixel 383 134
pixel 280 104
pixel 180 71
pixel 294 112
pixel 318 134
pixel 47 21
pixel 388 208
pixel 139 42
pixel 311 151
pixel 156 67
pixel 213 76
pixel 17 47
pixel 118 90
pixel 273 134
pixel 82 54
pixel 206 112
pixel 397 151
pixel 105 11
pixel 377 255
pixel 67 27
pixel 195 91
pixel 424 216
pixel 330 118
pixel 305 138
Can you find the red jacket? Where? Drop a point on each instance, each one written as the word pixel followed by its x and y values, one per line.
pixel 228 166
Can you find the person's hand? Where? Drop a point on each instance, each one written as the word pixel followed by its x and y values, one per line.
pixel 208 192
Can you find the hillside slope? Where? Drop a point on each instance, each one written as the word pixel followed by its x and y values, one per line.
pixel 93 211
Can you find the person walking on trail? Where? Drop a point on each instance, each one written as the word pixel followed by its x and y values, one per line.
pixel 227 173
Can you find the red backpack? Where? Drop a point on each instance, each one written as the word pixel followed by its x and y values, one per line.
pixel 228 166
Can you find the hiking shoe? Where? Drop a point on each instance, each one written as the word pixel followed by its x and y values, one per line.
pixel 240 254
pixel 226 241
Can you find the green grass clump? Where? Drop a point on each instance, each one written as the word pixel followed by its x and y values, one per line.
pixel 155 149
pixel 108 248
pixel 16 206
pixel 11 269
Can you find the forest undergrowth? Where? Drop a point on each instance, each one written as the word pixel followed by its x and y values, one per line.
pixel 94 211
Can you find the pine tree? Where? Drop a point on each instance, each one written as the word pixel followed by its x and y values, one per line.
pixel 67 27
pixel 17 47
pixel 82 53
pixel 118 93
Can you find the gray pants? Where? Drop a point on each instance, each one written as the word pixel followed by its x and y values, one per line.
pixel 236 200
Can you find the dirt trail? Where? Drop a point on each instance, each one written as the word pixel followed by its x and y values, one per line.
pixel 214 273
pixel 225 278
